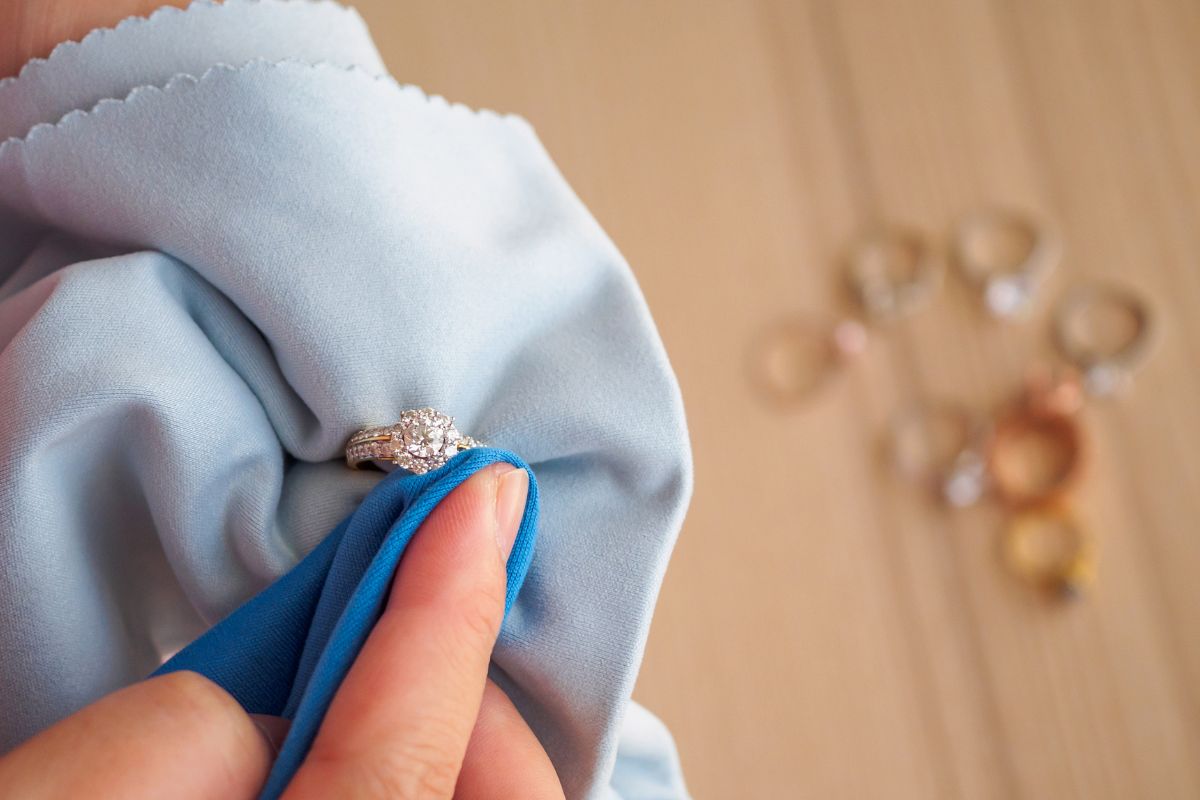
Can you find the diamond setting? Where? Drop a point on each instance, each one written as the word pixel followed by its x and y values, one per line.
pixel 1009 296
pixel 423 440
pixel 1103 379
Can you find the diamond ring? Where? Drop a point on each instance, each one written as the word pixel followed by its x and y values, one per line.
pixel 1106 331
pixel 1049 548
pixel 894 272
pixel 1007 257
pixel 423 440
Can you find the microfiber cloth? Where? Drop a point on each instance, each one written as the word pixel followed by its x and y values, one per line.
pixel 287 650
pixel 228 240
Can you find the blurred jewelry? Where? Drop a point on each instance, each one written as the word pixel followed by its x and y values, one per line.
pixel 1107 362
pixel 1054 389
pixel 941 445
pixel 423 440
pixel 1048 548
pixel 1007 257
pixel 1035 453
pixel 793 357
pixel 894 273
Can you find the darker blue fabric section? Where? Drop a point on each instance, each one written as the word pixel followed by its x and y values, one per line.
pixel 286 650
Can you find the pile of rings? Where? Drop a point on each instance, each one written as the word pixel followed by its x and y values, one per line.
pixel 1029 453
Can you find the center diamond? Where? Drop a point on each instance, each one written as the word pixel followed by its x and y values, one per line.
pixel 1008 295
pixel 424 439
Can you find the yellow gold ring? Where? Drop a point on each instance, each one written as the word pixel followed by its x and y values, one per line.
pixel 1048 548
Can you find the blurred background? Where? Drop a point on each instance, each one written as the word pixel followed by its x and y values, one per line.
pixel 828 628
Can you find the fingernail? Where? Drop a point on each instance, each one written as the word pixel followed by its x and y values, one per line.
pixel 510 507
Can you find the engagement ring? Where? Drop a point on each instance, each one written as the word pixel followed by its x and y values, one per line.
pixel 423 440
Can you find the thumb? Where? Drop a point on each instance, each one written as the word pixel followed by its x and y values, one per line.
pixel 177 735
pixel 400 723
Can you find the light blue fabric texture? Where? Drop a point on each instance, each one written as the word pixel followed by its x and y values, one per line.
pixel 227 241
pixel 286 651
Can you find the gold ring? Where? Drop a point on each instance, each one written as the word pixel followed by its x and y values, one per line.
pixel 423 440
pixel 1048 548
pixel 1035 454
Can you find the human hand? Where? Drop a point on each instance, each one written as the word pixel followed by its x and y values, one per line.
pixel 416 716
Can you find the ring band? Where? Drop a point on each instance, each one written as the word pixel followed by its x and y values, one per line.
pixel 423 440
pixel 1042 429
pixel 885 288
pixel 941 444
pixel 1068 572
pixel 1007 286
pixel 789 360
pixel 1104 372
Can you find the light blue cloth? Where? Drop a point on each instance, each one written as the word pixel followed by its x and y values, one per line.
pixel 288 649
pixel 232 254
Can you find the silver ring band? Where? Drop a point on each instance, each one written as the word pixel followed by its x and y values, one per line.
pixel 894 272
pixel 1105 371
pixel 1007 287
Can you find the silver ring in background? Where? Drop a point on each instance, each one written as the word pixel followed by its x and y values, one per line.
pixel 423 440
pixel 1107 367
pixel 894 273
pixel 943 445
pixel 1007 278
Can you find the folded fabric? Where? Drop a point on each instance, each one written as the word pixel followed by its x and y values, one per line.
pixel 222 262
pixel 287 650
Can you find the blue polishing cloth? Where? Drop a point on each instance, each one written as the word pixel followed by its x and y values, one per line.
pixel 287 650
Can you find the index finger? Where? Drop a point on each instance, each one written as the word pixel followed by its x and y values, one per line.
pixel 400 722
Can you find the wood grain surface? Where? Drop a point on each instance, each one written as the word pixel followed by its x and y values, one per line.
pixel 825 630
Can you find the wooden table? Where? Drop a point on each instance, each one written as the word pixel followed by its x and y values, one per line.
pixel 825 630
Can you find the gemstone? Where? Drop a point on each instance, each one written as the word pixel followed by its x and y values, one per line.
pixel 962 489
pixel 1007 296
pixel 1102 380
pixel 966 481
pixel 424 439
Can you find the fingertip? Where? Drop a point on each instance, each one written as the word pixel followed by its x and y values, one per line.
pixel 406 709
pixel 477 512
